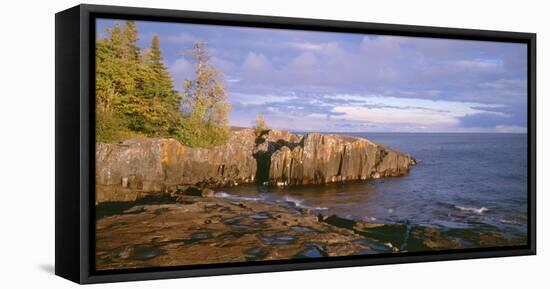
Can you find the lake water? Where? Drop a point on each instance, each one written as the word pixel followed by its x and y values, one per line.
pixel 461 181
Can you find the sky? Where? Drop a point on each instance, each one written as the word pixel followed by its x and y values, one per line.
pixel 344 82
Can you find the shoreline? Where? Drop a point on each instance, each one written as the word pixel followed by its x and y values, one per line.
pixel 134 168
pixel 169 230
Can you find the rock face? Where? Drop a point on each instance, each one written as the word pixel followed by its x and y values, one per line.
pixel 152 165
pixel 138 167
pixel 320 159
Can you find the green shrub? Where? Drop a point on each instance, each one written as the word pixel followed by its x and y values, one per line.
pixel 196 133
pixel 261 127
pixel 110 128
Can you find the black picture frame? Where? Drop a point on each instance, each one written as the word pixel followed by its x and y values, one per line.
pixel 75 142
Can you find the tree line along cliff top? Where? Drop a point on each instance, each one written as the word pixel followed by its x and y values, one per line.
pixel 135 93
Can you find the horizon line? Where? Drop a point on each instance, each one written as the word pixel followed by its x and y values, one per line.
pixel 408 132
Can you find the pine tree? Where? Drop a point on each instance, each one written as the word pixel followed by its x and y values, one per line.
pixel 155 55
pixel 158 109
pixel 115 41
pixel 115 81
pixel 135 93
pixel 130 38
pixel 105 90
pixel 162 77
pixel 120 62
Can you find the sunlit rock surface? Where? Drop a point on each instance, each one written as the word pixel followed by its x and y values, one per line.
pixel 138 167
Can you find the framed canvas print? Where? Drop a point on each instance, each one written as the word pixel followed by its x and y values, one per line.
pixel 193 144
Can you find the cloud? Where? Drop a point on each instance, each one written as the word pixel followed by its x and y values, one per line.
pixel 419 114
pixel 477 64
pixel 491 120
pixel 304 61
pixel 222 64
pixel 384 47
pixel 344 81
pixel 504 84
pixel 415 117
pixel 318 47
pixel 252 99
pixel 181 38
pixel 232 80
pixel 403 66
pixel 454 108
pixel 181 69
pixel 375 112
pixel 257 68
pixel 511 129
pixel 256 62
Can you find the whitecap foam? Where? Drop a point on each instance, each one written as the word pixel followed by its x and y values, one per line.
pixel 474 210
pixel 225 195
pixel 300 203
pixel 367 218
pixel 509 222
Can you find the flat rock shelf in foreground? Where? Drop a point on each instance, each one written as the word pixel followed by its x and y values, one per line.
pixel 190 230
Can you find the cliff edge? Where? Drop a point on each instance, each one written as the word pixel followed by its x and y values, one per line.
pixel 137 167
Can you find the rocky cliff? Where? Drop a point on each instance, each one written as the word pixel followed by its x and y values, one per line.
pixel 138 167
pixel 320 159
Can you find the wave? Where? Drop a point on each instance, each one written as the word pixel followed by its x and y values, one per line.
pixel 369 218
pixel 474 210
pixel 509 222
pixel 300 203
pixel 225 195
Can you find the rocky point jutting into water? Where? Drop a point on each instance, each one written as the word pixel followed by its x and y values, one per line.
pixel 137 167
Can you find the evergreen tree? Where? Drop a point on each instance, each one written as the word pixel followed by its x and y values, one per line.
pixel 115 70
pixel 105 90
pixel 135 94
pixel 130 38
pixel 155 56
pixel 158 102
pixel 115 41
pixel 162 77
pixel 120 63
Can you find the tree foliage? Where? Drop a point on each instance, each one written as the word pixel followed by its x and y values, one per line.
pixel 204 103
pixel 260 127
pixel 135 93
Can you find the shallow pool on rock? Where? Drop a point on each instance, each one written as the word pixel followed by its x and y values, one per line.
pixel 278 240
